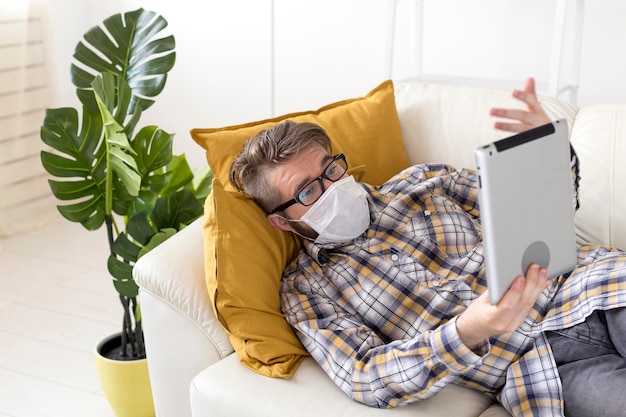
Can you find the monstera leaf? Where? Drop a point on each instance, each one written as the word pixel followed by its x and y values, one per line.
pixel 95 161
pixel 80 160
pixel 120 159
pixel 125 45
pixel 145 231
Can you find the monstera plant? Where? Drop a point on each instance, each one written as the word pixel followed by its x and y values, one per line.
pixel 108 172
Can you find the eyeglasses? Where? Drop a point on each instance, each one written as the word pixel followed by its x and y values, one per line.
pixel 311 192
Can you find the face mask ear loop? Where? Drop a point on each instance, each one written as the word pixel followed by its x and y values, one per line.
pixel 293 231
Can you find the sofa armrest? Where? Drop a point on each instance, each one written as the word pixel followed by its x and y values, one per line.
pixel 181 332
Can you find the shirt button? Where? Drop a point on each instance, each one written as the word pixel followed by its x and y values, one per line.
pixel 426 212
pixel 394 257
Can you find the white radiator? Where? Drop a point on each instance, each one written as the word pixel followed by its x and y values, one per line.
pixel 26 90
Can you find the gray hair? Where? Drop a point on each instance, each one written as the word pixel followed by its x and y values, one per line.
pixel 267 150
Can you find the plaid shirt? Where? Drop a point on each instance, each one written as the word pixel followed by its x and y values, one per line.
pixel 378 314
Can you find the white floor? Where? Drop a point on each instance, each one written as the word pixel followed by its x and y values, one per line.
pixel 56 302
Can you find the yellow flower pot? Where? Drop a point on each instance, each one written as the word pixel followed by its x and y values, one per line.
pixel 126 384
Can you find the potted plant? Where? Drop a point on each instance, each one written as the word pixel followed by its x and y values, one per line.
pixel 109 173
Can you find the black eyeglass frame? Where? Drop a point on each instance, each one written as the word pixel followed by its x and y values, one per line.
pixel 320 179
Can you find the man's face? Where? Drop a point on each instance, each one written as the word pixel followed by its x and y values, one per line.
pixel 289 178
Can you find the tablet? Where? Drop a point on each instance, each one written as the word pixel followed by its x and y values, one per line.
pixel 526 205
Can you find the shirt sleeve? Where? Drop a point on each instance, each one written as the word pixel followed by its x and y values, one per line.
pixel 367 368
pixel 461 187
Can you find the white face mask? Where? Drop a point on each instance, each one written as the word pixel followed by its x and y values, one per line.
pixel 341 213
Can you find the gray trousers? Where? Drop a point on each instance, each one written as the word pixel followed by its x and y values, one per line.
pixel 591 358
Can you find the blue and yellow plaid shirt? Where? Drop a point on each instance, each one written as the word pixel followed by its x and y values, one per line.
pixel 378 314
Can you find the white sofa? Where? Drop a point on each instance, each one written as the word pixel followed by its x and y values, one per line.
pixel 193 369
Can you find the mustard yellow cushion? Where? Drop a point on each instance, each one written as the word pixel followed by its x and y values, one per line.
pixel 245 255
pixel 244 260
pixel 365 129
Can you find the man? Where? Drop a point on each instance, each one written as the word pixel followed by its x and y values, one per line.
pixel 389 295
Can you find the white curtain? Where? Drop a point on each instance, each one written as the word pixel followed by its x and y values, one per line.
pixel 26 90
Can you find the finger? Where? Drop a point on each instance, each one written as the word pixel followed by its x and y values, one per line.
pixel 517 127
pixel 525 118
pixel 533 279
pixel 524 289
pixel 536 278
pixel 513 114
pixel 541 281
pixel 530 99
pixel 529 95
pixel 512 308
pixel 511 127
pixel 513 295
pixel 529 85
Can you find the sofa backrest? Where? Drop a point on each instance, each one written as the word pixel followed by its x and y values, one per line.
pixel 445 123
pixel 599 137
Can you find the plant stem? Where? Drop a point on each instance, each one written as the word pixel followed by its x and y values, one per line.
pixel 109 226
pixel 137 335
pixel 126 325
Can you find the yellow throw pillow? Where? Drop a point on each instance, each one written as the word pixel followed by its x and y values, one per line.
pixel 244 260
pixel 365 129
pixel 245 256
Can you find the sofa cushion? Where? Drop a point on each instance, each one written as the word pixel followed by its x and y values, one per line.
pixel 230 391
pixel 245 255
pixel 244 260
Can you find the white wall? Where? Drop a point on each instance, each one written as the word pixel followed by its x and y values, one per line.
pixel 327 50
